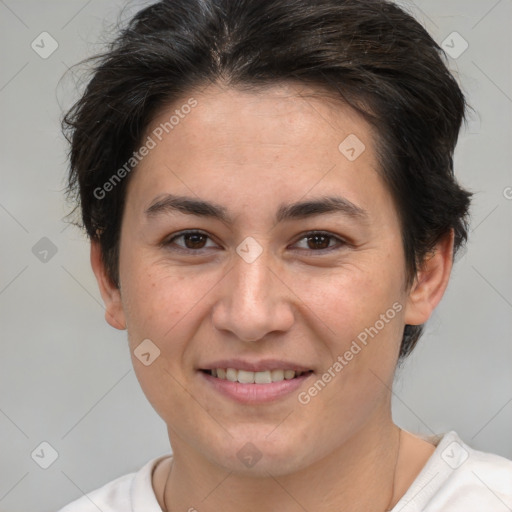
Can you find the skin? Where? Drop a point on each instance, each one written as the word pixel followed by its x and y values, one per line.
pixel 252 152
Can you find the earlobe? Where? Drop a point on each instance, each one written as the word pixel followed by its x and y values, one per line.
pixel 431 282
pixel 114 313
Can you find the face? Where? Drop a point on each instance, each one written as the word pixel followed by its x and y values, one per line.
pixel 261 285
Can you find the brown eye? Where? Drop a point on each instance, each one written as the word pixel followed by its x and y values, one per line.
pixel 319 241
pixel 192 241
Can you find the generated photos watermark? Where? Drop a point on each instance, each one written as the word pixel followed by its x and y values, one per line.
pixel 343 360
pixel 151 142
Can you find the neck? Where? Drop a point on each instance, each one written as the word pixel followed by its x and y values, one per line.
pixel 357 476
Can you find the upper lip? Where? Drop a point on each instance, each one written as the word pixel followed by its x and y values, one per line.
pixel 255 366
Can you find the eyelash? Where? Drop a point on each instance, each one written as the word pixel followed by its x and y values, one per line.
pixel 168 242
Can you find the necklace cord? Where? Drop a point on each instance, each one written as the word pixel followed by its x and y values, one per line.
pixel 389 507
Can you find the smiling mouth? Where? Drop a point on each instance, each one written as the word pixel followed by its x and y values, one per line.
pixel 248 377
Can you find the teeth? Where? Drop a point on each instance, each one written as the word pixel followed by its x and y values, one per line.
pixel 277 375
pixel 245 377
pixel 263 377
pixel 231 375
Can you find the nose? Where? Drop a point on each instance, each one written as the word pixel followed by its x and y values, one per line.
pixel 254 301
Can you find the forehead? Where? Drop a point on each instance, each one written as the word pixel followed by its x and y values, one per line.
pixel 276 114
pixel 287 140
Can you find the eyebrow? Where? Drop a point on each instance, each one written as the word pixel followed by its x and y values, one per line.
pixel 189 205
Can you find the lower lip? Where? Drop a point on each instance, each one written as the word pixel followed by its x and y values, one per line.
pixel 255 393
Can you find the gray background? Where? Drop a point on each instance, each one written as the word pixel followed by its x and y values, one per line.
pixel 65 375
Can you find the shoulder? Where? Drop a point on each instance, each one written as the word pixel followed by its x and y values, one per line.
pixel 476 471
pixel 120 494
pixel 111 497
pixel 458 478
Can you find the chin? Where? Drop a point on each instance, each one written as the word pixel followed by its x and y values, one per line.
pixel 259 455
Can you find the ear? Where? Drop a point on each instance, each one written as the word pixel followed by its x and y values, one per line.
pixel 114 313
pixel 430 282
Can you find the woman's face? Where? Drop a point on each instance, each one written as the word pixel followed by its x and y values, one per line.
pixel 253 291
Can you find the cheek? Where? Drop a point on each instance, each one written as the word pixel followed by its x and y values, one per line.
pixel 156 307
pixel 165 305
pixel 350 299
pixel 359 311
pixel 154 300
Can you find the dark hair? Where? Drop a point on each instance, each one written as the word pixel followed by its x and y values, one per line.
pixel 370 53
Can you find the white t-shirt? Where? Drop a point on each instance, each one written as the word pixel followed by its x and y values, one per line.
pixel 456 478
